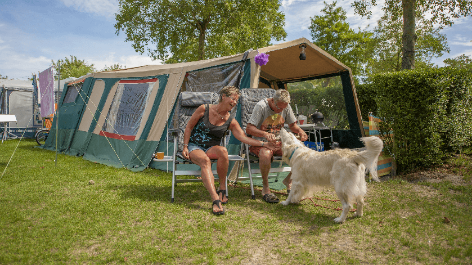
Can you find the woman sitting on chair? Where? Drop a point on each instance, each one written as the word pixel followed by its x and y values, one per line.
pixel 203 134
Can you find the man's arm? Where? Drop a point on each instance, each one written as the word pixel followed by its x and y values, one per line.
pixel 293 125
pixel 296 129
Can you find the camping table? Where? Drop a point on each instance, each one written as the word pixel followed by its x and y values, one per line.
pixel 316 130
pixel 5 119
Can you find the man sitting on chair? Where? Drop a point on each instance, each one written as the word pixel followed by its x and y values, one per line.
pixel 268 117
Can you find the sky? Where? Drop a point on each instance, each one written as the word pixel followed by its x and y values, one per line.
pixel 35 32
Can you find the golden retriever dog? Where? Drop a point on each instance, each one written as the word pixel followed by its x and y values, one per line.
pixel 342 168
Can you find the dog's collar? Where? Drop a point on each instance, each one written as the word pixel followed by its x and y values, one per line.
pixel 293 153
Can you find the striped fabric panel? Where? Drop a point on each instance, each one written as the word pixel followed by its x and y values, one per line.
pixel 385 163
pixel 366 128
pixel 373 125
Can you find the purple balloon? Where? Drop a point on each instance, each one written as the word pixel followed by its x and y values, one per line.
pixel 261 59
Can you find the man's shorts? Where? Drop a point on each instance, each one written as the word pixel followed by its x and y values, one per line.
pixel 256 149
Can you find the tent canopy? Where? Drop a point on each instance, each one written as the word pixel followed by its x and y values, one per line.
pixel 284 64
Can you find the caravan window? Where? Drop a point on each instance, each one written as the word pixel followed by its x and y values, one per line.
pixel 127 108
pixel 72 92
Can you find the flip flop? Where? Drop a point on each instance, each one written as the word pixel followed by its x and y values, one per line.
pixel 216 202
pixel 224 195
pixel 270 198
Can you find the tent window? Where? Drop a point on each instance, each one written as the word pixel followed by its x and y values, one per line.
pixel 213 79
pixel 325 95
pixel 127 108
pixel 72 93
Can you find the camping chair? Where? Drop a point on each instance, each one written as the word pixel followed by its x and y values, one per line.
pixel 187 103
pixel 249 98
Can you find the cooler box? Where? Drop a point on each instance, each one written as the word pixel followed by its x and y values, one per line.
pixel 315 146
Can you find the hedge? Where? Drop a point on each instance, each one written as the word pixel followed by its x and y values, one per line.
pixel 428 111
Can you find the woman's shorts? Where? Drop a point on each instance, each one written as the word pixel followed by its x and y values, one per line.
pixel 192 147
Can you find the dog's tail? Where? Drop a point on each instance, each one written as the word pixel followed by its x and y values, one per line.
pixel 370 156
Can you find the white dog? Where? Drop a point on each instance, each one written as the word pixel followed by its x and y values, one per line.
pixel 342 168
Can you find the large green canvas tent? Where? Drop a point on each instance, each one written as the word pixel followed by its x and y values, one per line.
pixel 120 118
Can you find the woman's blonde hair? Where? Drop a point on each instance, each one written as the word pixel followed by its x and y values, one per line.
pixel 228 91
pixel 282 95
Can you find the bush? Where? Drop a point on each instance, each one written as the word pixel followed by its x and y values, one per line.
pixel 428 110
pixel 366 98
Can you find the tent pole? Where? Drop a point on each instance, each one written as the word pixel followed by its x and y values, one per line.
pixel 57 100
pixel 167 132
pixel 4 111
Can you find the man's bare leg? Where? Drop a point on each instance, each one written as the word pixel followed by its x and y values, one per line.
pixel 288 182
pixel 265 159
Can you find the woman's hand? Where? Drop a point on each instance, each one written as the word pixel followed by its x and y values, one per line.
pixel 270 145
pixel 185 153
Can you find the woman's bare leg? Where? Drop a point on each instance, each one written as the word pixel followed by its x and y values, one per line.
pixel 200 158
pixel 220 153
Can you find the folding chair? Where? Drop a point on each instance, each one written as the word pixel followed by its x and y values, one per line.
pixel 187 103
pixel 249 98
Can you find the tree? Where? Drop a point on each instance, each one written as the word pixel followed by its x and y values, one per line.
pixel 442 13
pixel 332 33
pixel 387 54
pixel 189 30
pixel 3 77
pixel 113 67
pixel 461 61
pixel 73 67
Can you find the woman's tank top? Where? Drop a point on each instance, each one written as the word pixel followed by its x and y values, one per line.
pixel 205 134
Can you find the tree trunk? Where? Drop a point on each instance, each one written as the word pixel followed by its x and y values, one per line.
pixel 409 34
pixel 201 46
pixel 201 39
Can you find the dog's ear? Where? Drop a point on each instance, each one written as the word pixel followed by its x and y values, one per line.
pixel 287 137
pixel 283 133
pixel 293 137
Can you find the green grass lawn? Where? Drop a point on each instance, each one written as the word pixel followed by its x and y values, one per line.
pixel 80 212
